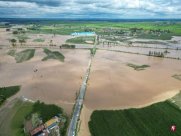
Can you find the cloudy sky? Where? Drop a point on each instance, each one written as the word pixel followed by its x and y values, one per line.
pixel 115 9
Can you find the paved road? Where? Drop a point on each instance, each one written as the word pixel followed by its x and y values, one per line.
pixel 79 101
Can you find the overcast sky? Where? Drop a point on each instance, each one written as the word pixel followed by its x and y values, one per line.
pixel 116 9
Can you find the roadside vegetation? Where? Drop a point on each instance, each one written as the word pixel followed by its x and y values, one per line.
pixel 6 92
pixel 67 46
pixel 154 120
pixel 93 51
pixel 82 40
pixel 138 67
pixel 53 55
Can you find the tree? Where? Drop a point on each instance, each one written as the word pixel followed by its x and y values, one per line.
pixel 13 41
pixel 21 41
pixel 15 32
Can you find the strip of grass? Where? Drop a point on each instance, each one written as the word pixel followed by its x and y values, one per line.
pixel 53 55
pixel 39 40
pixel 24 55
pixel 6 92
pixel 138 67
pixel 154 120
pixel 81 40
pixel 178 77
pixel 22 110
pixel 11 53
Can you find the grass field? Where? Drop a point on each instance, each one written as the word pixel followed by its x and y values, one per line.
pixel 11 53
pixel 53 55
pixel 66 28
pixel 6 92
pixel 82 40
pixel 138 67
pixel 21 110
pixel 24 55
pixel 154 120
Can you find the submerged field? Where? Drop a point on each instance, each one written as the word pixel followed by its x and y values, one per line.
pixel 50 81
pixel 154 120
pixel 114 85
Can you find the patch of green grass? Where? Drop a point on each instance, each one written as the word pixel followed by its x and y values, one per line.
pixel 138 67
pixel 154 120
pixel 6 92
pixel 22 110
pixel 178 77
pixel 24 55
pixel 53 55
pixel 39 40
pixel 11 53
pixel 82 40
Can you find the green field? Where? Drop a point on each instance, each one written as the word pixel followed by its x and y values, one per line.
pixel 22 111
pixel 6 92
pixel 24 55
pixel 154 120
pixel 151 30
pixel 53 55
pixel 82 40
pixel 138 67
pixel 11 52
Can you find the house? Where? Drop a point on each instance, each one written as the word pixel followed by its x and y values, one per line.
pixel 39 131
pixel 52 123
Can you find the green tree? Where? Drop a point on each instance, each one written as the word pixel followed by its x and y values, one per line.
pixel 21 41
pixel 13 42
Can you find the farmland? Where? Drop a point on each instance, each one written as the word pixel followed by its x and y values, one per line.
pixel 53 55
pixel 151 121
pixel 22 56
pixel 6 92
pixel 82 40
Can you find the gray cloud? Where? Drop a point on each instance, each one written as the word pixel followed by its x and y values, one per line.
pixel 91 8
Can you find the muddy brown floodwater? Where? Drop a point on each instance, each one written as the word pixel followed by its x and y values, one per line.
pixel 55 82
pixel 114 85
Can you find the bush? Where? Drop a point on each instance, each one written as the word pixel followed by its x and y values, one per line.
pixel 45 111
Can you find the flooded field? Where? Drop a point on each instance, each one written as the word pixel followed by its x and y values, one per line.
pixel 145 51
pixel 113 84
pixel 54 81
pixel 32 39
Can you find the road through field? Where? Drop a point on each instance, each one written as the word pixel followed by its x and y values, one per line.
pixel 80 99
